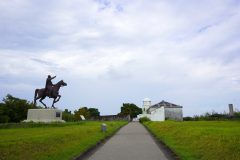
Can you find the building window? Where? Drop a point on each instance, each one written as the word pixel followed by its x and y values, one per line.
pixel 58 114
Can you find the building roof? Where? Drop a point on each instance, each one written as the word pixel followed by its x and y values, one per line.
pixel 165 105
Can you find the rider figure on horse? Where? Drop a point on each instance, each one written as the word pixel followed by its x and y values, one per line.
pixel 49 85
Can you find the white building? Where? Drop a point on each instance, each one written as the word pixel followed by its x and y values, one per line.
pixel 146 105
pixel 161 111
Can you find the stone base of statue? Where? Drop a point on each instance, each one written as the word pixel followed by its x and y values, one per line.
pixel 44 115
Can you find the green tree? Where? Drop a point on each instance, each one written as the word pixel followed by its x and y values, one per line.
pixel 94 112
pixel 81 111
pixel 130 109
pixel 3 114
pixel 67 116
pixel 86 112
pixel 14 109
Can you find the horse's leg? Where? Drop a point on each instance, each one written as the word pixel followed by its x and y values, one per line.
pixel 36 100
pixel 54 101
pixel 59 96
pixel 35 97
pixel 42 101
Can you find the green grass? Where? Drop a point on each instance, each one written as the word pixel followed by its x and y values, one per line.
pixel 203 140
pixel 51 141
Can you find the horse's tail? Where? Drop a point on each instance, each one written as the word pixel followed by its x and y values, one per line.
pixel 35 96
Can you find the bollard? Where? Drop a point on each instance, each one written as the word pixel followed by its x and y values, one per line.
pixel 103 127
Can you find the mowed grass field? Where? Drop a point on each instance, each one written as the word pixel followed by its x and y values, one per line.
pixel 200 140
pixel 52 141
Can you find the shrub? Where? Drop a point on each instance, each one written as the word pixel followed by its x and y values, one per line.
pixel 237 114
pixel 214 116
pixel 144 119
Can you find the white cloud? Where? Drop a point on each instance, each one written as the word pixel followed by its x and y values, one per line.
pixel 186 52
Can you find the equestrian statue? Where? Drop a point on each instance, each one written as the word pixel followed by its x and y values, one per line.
pixel 51 90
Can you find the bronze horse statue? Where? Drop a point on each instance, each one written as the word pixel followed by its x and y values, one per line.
pixel 42 94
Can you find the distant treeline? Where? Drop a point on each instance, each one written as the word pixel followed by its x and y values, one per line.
pixel 213 116
pixel 14 110
pixel 127 109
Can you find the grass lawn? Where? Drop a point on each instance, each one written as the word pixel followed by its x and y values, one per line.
pixel 204 140
pixel 51 141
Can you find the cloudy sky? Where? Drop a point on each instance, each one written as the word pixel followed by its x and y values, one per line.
pixel 114 52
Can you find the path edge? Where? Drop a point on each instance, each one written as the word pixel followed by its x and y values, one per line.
pixel 168 152
pixel 95 147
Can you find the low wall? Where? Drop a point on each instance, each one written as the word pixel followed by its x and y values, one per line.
pixel 112 118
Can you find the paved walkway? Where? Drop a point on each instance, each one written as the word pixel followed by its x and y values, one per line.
pixel 132 142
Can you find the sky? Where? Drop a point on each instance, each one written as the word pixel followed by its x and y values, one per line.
pixel 114 52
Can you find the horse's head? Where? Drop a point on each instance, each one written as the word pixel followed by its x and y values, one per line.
pixel 62 83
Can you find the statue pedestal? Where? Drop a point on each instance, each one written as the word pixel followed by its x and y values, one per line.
pixel 44 115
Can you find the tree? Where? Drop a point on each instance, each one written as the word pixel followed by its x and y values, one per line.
pixel 130 109
pixel 67 116
pixel 94 112
pixel 86 112
pixel 14 109
pixel 81 111
pixel 3 114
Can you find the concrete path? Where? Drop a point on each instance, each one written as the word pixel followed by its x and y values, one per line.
pixel 132 142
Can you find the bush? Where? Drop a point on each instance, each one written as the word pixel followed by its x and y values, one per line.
pixel 67 116
pixel 214 116
pixel 237 114
pixel 144 119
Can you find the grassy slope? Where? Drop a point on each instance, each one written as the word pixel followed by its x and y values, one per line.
pixel 206 140
pixel 52 141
